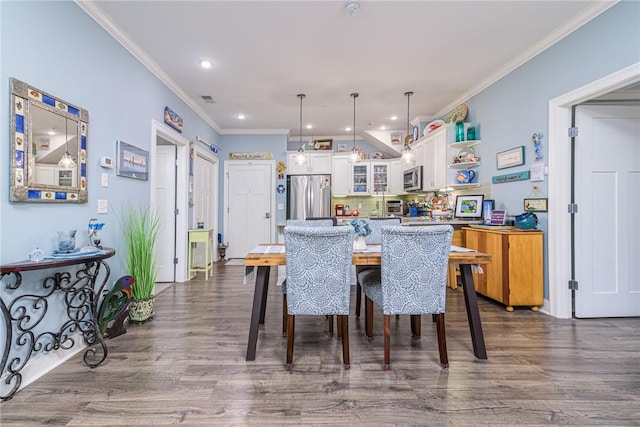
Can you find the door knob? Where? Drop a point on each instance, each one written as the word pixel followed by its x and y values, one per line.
pixel 267 215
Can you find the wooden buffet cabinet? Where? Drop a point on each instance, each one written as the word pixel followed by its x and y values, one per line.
pixel 515 275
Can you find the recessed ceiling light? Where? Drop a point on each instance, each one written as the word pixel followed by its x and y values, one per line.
pixel 205 63
pixel 383 127
pixel 241 116
pixel 394 117
pixel 348 129
pixel 309 126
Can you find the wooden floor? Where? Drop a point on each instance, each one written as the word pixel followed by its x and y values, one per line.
pixel 188 367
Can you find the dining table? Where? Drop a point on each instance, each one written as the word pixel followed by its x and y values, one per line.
pixel 264 256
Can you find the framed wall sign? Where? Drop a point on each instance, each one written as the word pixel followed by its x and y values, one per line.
pixel 536 205
pixel 510 158
pixel 132 162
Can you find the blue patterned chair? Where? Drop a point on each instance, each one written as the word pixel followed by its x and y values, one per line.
pixel 309 222
pixel 375 224
pixel 318 278
pixel 412 280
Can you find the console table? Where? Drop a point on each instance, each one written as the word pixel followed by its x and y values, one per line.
pixel 200 235
pixel 23 313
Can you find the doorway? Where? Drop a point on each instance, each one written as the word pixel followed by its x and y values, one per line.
pixel 607 176
pixel 559 234
pixel 249 200
pixel 162 135
pixel 205 197
pixel 165 191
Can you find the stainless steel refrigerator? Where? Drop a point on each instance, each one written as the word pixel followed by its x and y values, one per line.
pixel 308 196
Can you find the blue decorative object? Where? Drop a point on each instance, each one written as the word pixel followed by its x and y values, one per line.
pixel 537 145
pixel 361 227
pixel 526 221
pixel 280 188
pixel 94 228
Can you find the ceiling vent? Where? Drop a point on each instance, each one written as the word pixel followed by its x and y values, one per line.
pixel 208 99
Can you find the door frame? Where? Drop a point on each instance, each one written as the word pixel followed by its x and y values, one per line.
pixel 559 233
pixel 226 194
pixel 182 152
pixel 207 154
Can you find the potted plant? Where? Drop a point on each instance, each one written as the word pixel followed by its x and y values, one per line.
pixel 140 230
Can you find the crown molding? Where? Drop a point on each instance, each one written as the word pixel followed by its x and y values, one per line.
pixel 254 132
pixel 553 38
pixel 97 14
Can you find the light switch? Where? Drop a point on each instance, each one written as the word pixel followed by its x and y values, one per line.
pixel 103 206
pixel 105 179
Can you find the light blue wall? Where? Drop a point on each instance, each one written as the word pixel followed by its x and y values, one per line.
pixel 507 113
pixel 56 47
pixel 360 143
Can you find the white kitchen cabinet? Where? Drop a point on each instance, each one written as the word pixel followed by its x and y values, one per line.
pixel 380 174
pixel 341 175
pixel 435 162
pixel 396 178
pixel 360 178
pixel 317 163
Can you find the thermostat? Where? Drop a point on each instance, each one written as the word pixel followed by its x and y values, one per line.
pixel 106 162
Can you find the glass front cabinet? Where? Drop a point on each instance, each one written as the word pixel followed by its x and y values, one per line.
pixel 361 178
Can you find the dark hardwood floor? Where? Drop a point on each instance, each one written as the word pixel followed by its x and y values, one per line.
pixel 188 367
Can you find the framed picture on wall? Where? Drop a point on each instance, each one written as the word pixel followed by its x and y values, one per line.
pixel 131 161
pixel 510 158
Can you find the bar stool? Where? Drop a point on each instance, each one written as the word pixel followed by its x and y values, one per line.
pixel 201 235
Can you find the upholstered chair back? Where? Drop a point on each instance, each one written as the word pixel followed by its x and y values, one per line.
pixel 414 269
pixel 318 269
pixel 311 222
pixel 376 224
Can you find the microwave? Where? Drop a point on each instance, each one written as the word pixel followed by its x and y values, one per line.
pixel 413 179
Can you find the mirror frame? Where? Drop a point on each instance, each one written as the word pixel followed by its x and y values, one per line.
pixel 22 188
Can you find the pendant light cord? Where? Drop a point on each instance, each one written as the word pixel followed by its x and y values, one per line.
pixel 408 95
pixel 301 96
pixel 354 95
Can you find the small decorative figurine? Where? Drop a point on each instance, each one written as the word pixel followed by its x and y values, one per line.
pixel 535 138
pixel 94 235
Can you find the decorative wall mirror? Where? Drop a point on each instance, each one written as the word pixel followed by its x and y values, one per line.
pixel 48 147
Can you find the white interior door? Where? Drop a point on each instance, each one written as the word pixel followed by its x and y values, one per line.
pixel 607 232
pixel 166 207
pixel 249 200
pixel 204 197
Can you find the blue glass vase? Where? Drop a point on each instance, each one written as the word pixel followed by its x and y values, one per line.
pixel 459 131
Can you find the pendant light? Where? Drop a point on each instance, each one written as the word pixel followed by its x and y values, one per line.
pixel 355 154
pixel 301 157
pixel 407 153
pixel 66 162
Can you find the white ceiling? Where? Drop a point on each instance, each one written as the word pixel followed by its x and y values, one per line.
pixel 266 52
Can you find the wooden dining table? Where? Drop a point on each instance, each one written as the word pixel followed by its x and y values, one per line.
pixel 264 256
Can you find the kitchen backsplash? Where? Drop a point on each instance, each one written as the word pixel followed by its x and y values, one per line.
pixel 369 206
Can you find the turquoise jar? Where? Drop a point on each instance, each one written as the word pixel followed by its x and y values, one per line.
pixel 459 131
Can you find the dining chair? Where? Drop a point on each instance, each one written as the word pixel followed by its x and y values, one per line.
pixel 318 278
pixel 375 224
pixel 333 219
pixel 309 222
pixel 412 280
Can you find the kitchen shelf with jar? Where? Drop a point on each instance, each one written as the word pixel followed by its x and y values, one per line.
pixel 462 156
